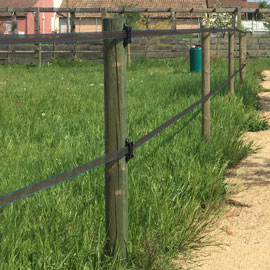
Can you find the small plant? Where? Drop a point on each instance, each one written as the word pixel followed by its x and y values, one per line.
pixel 253 123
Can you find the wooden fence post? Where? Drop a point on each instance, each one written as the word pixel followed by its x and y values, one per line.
pixel 104 13
pixel 14 30
pixel 116 172
pixel 231 55
pixel 68 22
pixel 173 19
pixel 37 31
pixel 128 55
pixel 242 46
pixel 73 29
pixel 243 56
pixel 14 24
pixel 9 52
pixel 72 22
pixel 206 84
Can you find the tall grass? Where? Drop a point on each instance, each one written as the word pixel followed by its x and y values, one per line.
pixel 51 120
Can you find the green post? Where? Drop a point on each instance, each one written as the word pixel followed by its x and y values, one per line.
pixel 116 172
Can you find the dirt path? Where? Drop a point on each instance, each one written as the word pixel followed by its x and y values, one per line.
pixel 244 230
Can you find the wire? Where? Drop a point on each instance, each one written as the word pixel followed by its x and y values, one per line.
pixel 57 179
pixel 165 125
pixel 54 180
pixel 94 36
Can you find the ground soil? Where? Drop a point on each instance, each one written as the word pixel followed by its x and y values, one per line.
pixel 244 230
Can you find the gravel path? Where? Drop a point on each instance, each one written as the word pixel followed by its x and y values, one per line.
pixel 244 230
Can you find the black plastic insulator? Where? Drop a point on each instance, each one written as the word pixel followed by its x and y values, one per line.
pixel 130 146
pixel 127 39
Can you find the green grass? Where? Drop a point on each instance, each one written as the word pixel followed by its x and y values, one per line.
pixel 52 120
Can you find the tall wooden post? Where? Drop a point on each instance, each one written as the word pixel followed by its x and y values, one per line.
pixel 128 55
pixel 243 56
pixel 116 172
pixel 8 54
pixel 68 17
pixel 14 30
pixel 231 55
pixel 72 22
pixel 73 29
pixel 37 31
pixel 14 23
pixel 206 84
pixel 242 45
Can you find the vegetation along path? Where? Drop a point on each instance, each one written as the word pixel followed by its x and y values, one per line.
pixel 244 230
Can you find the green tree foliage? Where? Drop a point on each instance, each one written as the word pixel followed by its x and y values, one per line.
pixel 130 18
pixel 220 20
pixel 265 17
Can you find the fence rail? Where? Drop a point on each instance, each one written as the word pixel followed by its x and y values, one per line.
pixel 84 37
pixel 138 10
pixel 116 147
pixel 146 47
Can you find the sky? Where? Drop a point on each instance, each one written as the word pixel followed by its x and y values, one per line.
pixel 268 1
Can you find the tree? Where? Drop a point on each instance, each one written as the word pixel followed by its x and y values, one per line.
pixel 130 18
pixel 220 20
pixel 265 17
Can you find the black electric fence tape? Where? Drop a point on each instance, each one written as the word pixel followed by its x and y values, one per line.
pixel 125 151
pixel 94 36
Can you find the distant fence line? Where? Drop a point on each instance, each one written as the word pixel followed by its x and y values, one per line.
pixel 138 10
pixel 147 47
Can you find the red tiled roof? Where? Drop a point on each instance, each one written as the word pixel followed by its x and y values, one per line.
pixel 253 5
pixel 227 3
pixel 17 3
pixel 135 3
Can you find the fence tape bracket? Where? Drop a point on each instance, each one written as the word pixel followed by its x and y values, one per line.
pixel 127 39
pixel 130 145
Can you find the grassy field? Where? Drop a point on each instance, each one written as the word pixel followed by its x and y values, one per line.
pixel 52 120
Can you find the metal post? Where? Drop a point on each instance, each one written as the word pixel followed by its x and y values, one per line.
pixel 231 55
pixel 206 84
pixel 116 172
pixel 242 40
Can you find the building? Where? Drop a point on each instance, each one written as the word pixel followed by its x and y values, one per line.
pixel 93 22
pixel 232 3
pixel 25 20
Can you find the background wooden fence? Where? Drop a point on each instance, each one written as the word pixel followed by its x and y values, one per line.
pixel 148 47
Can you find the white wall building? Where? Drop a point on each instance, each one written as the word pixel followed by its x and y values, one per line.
pixel 55 19
pixel 256 27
